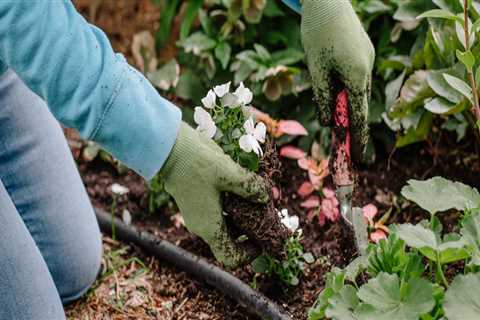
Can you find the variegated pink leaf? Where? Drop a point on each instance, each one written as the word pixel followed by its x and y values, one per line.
pixel 305 189
pixel 292 128
pixel 292 152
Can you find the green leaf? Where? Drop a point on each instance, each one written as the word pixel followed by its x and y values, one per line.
pixel 357 266
pixel 459 85
pixel 342 305
pixel 423 239
pixel 262 52
pixel 412 95
pixel 440 13
pixel 166 77
pixel 223 52
pixel 462 298
pixel 317 311
pixel 439 194
pixel 437 82
pixel 471 233
pixel 467 58
pixel 191 13
pixel 308 257
pixel 388 301
pixel 261 264
pixel 166 22
pixel 439 106
pixel 418 132
pixel 197 43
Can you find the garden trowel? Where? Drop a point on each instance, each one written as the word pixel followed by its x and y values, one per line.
pixel 342 171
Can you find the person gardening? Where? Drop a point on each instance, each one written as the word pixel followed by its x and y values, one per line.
pixel 54 66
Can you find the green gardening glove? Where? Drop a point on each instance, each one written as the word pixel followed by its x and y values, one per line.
pixel 195 174
pixel 337 46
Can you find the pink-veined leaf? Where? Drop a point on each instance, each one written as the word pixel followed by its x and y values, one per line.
pixel 378 235
pixel 330 209
pixel 328 193
pixel 305 189
pixel 369 212
pixel 291 127
pixel 310 203
pixel 315 180
pixel 292 152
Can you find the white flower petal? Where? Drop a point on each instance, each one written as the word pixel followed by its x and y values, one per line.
pixel 249 126
pixel 209 100
pixel 244 95
pixel 206 125
pixel 200 116
pixel 245 143
pixel 260 132
pixel 256 146
pixel 222 89
pixel 119 189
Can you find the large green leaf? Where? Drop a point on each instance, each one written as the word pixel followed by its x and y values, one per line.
pixel 343 304
pixel 471 233
pixel 423 239
pixel 439 194
pixel 462 299
pixel 388 301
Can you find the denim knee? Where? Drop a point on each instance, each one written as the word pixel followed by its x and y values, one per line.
pixel 79 276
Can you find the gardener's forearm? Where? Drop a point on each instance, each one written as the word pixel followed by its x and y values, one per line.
pixel 329 6
pixel 71 65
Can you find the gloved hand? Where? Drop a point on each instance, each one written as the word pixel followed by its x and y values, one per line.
pixel 195 174
pixel 336 45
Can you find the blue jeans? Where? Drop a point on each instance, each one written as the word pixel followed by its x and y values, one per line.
pixel 50 243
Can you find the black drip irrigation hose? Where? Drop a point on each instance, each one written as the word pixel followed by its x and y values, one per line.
pixel 254 302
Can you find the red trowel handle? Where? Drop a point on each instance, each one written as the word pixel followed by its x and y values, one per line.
pixel 341 157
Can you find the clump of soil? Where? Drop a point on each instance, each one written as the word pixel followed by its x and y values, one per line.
pixel 260 222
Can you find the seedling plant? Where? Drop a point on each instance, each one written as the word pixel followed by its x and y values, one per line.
pixel 420 271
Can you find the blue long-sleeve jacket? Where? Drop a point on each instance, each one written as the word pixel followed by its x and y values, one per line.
pixel 294 4
pixel 71 65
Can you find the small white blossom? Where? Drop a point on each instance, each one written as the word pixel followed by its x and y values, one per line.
pixel 118 189
pixel 244 95
pixel 253 135
pixel 291 222
pixel 209 100
pixel 206 125
pixel 222 90
pixel 126 217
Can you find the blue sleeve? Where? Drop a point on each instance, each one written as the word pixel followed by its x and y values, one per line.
pixel 294 4
pixel 71 65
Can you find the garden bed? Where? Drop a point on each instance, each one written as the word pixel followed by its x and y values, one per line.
pixel 379 184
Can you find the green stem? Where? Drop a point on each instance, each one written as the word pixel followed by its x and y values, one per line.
pixel 113 208
pixel 440 271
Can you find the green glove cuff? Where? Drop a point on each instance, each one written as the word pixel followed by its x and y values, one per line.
pixel 321 12
pixel 182 150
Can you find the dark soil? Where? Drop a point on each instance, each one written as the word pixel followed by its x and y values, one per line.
pixel 379 183
pixel 260 222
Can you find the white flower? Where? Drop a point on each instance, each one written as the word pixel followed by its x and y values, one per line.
pixel 119 189
pixel 244 95
pixel 126 217
pixel 209 100
pixel 222 89
pixel 291 222
pixel 253 135
pixel 206 125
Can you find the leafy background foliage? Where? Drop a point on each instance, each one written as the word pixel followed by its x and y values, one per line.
pixel 258 41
